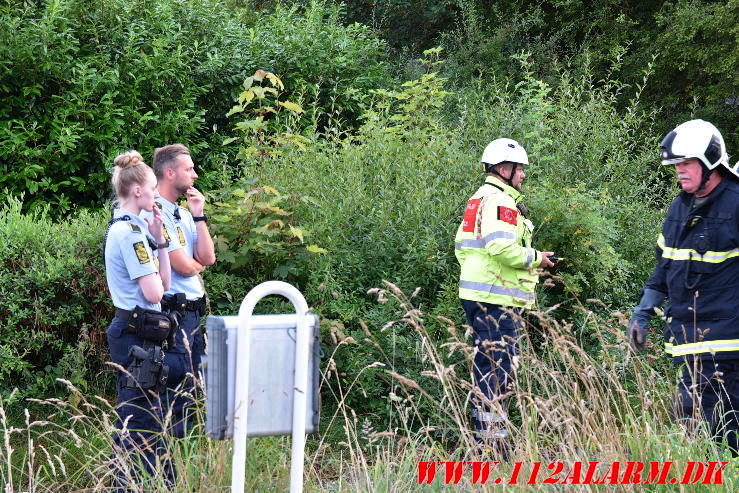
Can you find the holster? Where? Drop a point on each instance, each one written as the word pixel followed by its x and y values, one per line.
pixel 175 302
pixel 147 370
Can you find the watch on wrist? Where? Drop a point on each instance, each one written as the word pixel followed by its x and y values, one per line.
pixel 163 245
pixel 204 217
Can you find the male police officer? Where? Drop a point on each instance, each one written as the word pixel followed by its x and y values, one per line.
pixel 698 271
pixel 190 251
pixel 498 278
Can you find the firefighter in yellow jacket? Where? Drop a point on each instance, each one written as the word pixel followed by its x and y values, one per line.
pixel 497 282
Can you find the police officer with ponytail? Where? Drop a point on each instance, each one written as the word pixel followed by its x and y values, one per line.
pixel 697 272
pixel 138 273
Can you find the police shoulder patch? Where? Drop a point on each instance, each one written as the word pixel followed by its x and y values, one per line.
pixel 141 252
pixel 135 228
pixel 165 233
pixel 181 234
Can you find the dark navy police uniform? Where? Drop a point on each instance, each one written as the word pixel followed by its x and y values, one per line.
pixel 698 269
pixel 128 257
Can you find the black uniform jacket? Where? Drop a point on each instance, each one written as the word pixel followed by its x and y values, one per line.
pixel 698 269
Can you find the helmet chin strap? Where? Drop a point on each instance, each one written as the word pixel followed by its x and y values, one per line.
pixel 508 180
pixel 705 176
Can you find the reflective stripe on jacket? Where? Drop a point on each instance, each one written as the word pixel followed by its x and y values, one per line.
pixel 493 247
pixel 698 268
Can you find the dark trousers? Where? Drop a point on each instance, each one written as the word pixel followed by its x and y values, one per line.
pixel 184 365
pixel 139 447
pixel 709 390
pixel 496 338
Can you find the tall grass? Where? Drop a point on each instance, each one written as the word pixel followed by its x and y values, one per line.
pixel 566 405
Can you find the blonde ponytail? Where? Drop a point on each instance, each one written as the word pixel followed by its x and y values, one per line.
pixel 129 170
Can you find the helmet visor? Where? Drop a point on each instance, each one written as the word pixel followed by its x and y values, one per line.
pixel 667 154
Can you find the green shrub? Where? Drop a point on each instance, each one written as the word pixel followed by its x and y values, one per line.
pixel 82 80
pixel 326 65
pixel 55 307
pixel 698 62
pixel 253 227
pixel 388 201
pixel 690 45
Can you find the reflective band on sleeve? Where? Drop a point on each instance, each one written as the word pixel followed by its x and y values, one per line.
pixel 494 289
pixel 702 347
pixel 483 242
pixel 690 254
pixel 530 256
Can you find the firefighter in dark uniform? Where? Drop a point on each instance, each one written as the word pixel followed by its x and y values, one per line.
pixel 698 273
pixel 137 279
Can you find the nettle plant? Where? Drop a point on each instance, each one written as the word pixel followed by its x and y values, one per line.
pixel 254 223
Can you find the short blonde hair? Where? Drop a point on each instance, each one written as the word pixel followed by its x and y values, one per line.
pixel 129 170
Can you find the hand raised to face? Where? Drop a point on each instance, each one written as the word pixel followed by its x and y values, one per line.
pixel 195 201
pixel 156 225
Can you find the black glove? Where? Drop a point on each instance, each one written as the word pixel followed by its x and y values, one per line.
pixel 643 313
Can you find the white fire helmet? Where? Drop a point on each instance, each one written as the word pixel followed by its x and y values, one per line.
pixel 697 139
pixel 504 151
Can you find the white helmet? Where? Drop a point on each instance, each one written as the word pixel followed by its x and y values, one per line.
pixel 504 151
pixel 695 139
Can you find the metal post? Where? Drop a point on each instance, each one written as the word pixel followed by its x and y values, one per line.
pixel 238 472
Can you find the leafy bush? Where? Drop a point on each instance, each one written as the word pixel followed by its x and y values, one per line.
pixel 326 66
pixel 55 306
pixel 254 228
pixel 82 80
pixel 389 199
pixel 689 44
pixel 406 25
pixel 698 62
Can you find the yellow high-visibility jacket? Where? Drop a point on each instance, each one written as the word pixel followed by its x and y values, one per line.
pixel 493 247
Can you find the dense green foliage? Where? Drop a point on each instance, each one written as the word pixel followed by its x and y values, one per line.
pixel 387 203
pixel 343 177
pixel 55 300
pixel 254 227
pixel 83 80
pixel 690 45
pixel 406 24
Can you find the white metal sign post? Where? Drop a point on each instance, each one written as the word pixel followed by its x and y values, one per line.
pixel 238 472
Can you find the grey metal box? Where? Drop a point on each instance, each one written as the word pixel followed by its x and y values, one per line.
pixel 271 375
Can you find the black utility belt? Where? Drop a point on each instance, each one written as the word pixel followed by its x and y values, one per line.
pixel 150 325
pixel 178 302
